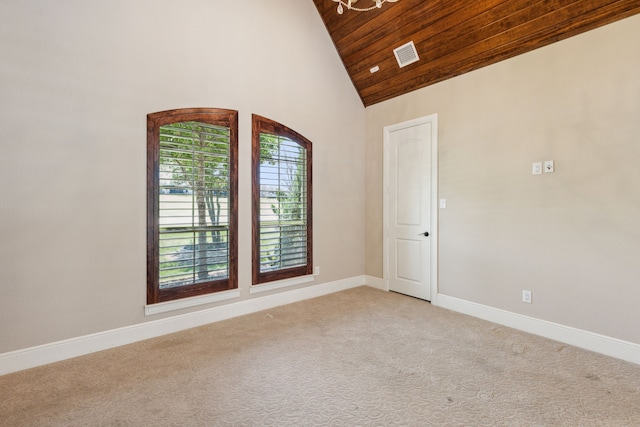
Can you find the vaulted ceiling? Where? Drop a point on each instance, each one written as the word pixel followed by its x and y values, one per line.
pixel 452 37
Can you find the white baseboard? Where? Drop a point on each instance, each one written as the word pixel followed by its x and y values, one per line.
pixel 376 282
pixel 579 338
pixel 54 352
pixel 49 353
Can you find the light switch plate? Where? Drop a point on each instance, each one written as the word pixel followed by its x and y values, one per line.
pixel 537 168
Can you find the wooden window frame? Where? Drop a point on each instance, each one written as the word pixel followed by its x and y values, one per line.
pixel 264 125
pixel 213 116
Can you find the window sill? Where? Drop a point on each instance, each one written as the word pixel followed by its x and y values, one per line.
pixel 164 307
pixel 279 284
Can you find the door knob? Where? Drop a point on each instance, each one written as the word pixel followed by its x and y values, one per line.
pixel 425 234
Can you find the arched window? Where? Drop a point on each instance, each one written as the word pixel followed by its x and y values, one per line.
pixel 282 213
pixel 192 186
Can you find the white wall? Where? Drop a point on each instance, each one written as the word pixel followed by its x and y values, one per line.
pixel 77 79
pixel 571 237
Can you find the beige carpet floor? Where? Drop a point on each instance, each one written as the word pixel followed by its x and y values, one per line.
pixel 361 357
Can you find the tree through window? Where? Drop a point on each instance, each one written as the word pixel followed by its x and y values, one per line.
pixel 191 203
pixel 282 232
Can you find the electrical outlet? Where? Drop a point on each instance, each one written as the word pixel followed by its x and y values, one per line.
pixel 526 297
pixel 548 166
pixel 317 271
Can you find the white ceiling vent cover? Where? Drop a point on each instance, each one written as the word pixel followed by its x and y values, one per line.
pixel 406 54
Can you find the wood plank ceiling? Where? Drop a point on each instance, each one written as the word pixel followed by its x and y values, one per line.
pixel 452 37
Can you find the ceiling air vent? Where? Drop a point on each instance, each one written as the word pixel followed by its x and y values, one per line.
pixel 406 54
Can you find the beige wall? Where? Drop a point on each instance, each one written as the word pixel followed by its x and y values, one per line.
pixel 77 79
pixel 572 237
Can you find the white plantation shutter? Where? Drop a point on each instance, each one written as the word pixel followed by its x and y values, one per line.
pixel 282 226
pixel 194 208
pixel 283 204
pixel 191 203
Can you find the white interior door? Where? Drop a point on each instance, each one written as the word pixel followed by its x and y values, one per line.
pixel 410 207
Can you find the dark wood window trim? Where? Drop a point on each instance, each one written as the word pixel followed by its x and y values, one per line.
pixel 211 116
pixel 262 125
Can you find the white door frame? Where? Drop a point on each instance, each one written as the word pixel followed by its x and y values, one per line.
pixel 433 232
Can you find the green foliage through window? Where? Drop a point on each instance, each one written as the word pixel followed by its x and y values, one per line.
pixel 194 210
pixel 282 214
pixel 192 195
